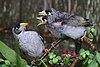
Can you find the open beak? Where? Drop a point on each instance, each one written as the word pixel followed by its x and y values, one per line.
pixel 40 15
pixel 41 22
pixel 43 13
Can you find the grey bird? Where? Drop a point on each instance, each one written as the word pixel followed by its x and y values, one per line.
pixel 64 24
pixel 29 41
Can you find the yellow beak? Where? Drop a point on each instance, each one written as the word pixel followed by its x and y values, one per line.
pixel 40 24
pixel 43 13
pixel 24 24
pixel 41 21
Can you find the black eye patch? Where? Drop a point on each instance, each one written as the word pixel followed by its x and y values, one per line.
pixel 17 26
pixel 48 10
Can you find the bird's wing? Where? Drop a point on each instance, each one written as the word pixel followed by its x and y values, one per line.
pixel 41 38
pixel 74 20
pixel 73 32
pixel 71 19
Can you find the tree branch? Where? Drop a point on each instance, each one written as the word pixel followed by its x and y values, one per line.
pixel 74 62
pixel 89 43
pixel 55 43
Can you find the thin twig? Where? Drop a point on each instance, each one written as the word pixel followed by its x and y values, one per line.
pixel 74 62
pixel 55 43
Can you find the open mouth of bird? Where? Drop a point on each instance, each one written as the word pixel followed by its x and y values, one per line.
pixel 40 21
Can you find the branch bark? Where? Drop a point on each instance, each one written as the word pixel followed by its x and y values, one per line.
pixel 89 43
pixel 74 62
pixel 55 43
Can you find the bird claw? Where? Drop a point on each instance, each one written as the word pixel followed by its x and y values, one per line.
pixel 84 35
pixel 46 50
pixel 33 62
pixel 52 45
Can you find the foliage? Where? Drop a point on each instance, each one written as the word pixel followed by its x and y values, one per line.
pixel 5 63
pixel 58 60
pixel 11 56
pixel 91 32
pixel 90 59
pixel 54 58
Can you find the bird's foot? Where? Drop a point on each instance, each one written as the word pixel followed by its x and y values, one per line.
pixel 52 45
pixel 46 50
pixel 83 36
pixel 33 62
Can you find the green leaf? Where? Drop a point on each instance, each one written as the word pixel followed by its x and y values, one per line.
pixel 51 62
pixel 89 61
pixel 80 57
pixel 93 29
pixel 91 56
pixel 85 61
pixel 98 57
pixel 88 30
pixel 82 50
pixel 52 55
pixel 90 35
pixel 87 52
pixel 67 60
pixel 55 60
pixel 93 64
pixel 11 55
pixel 7 62
pixel 1 60
pixel 59 57
pixel 84 55
pixel 4 65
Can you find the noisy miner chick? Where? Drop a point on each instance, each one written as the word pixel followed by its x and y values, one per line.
pixel 29 41
pixel 64 24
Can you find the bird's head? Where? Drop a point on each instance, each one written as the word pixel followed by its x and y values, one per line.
pixel 43 15
pixel 20 27
pixel 45 12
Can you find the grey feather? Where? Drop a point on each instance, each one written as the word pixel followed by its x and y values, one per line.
pixel 30 42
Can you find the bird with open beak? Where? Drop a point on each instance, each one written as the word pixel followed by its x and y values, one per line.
pixel 63 24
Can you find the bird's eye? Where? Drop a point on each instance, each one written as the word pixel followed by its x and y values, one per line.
pixel 48 10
